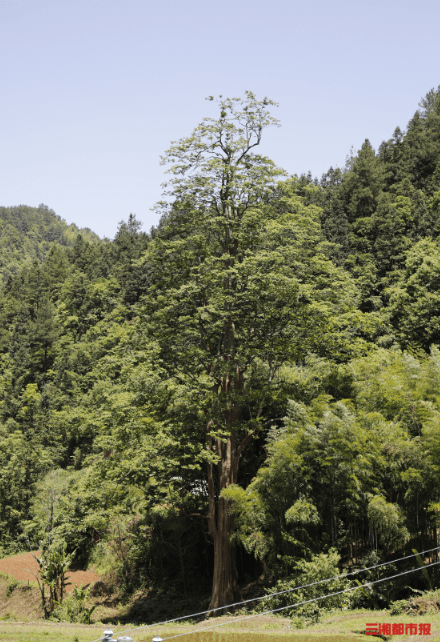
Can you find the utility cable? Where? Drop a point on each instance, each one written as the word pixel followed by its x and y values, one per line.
pixel 296 588
pixel 291 606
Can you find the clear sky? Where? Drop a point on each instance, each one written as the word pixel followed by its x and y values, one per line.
pixel 93 91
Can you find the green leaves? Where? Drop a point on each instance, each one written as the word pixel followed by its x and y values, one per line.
pixel 302 512
pixel 358 474
pixel 224 172
pixel 320 567
pixel 387 520
pixel 22 462
pixel 414 300
pixel 421 564
pixel 53 565
pixel 73 608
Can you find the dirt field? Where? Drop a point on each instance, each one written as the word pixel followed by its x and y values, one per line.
pixel 21 566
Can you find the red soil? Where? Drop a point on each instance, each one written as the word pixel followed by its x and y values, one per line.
pixel 19 566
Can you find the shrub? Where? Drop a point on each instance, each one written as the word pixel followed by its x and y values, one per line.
pixel 320 567
pixel 12 585
pixel 73 608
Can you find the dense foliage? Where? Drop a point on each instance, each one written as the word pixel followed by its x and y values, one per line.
pixel 264 362
pixel 26 234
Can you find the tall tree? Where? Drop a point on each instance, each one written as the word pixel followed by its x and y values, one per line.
pixel 414 300
pixel 239 283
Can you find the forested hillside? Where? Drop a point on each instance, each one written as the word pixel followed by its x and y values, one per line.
pixel 248 393
pixel 26 234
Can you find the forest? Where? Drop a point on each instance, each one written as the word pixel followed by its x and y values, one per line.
pixel 247 395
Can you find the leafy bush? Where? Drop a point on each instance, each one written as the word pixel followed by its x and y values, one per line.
pixel 53 565
pixel 378 595
pixel 398 607
pixel 428 602
pixel 321 567
pixel 73 608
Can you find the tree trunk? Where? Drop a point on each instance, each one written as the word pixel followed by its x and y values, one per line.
pixel 220 523
pixel 224 581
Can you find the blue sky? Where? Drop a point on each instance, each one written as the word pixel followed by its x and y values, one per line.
pixel 93 91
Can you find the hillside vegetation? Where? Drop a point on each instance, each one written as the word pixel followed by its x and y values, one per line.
pixel 26 234
pixel 246 397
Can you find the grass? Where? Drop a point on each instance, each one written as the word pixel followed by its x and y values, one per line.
pixel 47 632
pixel 347 626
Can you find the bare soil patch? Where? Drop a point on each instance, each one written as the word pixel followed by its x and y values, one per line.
pixel 21 566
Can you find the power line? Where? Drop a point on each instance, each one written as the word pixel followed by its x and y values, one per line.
pixel 291 606
pixel 296 588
